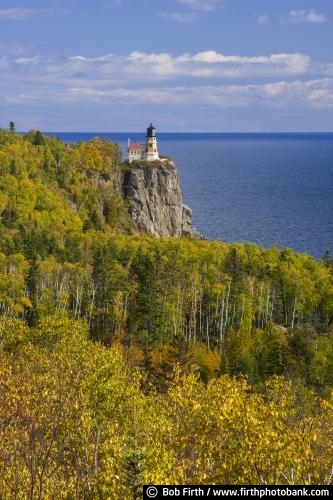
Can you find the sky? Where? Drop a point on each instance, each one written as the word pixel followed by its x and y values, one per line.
pixel 185 65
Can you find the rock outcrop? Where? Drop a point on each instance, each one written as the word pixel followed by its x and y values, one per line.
pixel 155 200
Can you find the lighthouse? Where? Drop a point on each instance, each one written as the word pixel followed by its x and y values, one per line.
pixel 147 151
pixel 151 144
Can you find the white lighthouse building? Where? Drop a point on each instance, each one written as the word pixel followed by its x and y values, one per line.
pixel 147 151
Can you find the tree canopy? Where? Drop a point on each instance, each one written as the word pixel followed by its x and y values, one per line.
pixel 127 359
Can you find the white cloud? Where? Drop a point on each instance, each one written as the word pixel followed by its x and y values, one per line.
pixel 28 61
pixel 322 98
pixel 303 16
pixel 142 66
pixel 289 95
pixel 17 14
pixel 205 5
pixel 197 79
pixel 22 14
pixel 262 20
pixel 213 64
pixel 39 75
pixel 179 17
pixel 295 94
pixel 311 93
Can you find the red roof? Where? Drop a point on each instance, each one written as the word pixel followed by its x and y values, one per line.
pixel 134 145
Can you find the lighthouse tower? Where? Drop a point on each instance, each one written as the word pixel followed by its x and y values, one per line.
pixel 147 151
pixel 151 144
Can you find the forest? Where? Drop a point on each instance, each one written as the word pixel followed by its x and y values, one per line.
pixel 127 359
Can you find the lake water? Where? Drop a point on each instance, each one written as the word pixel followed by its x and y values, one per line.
pixel 271 189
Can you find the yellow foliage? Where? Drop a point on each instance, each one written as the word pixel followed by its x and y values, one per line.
pixel 75 422
pixel 208 360
pixel 26 302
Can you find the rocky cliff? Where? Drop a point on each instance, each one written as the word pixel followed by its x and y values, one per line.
pixel 155 200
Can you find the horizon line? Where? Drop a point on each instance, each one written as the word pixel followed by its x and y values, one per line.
pixel 181 132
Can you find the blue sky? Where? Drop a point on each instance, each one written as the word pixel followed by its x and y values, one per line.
pixel 185 65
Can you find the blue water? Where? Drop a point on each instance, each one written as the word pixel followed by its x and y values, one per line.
pixel 272 189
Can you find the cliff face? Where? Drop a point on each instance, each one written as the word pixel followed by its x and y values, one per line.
pixel 153 190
